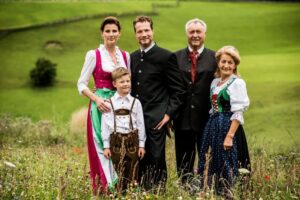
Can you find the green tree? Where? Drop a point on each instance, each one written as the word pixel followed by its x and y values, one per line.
pixel 44 73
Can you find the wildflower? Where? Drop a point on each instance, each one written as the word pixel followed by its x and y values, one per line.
pixel 195 171
pixel 77 150
pixel 179 198
pixel 244 171
pixel 267 177
pixel 9 164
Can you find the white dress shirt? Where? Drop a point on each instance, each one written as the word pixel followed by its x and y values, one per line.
pixel 123 121
pixel 237 92
pixel 200 50
pixel 107 65
pixel 148 48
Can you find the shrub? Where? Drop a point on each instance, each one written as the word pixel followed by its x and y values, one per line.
pixel 44 73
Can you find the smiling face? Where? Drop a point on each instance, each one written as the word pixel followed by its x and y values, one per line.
pixel 196 35
pixel 226 66
pixel 110 34
pixel 144 34
pixel 123 85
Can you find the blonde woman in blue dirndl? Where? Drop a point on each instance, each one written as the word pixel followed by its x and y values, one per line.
pixel 223 133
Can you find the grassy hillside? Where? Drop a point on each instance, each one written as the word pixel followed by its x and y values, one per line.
pixel 25 14
pixel 265 33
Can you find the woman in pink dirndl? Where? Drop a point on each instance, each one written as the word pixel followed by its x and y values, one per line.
pixel 99 63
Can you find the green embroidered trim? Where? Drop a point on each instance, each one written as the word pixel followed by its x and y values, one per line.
pixel 112 185
pixel 223 93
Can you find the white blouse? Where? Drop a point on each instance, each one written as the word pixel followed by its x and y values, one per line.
pixel 107 65
pixel 122 122
pixel 237 92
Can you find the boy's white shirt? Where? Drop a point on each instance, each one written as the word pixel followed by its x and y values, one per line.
pixel 122 122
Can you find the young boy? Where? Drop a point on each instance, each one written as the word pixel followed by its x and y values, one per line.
pixel 123 130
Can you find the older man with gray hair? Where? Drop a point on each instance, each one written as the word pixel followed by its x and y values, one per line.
pixel 197 65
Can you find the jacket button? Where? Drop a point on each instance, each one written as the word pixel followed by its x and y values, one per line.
pixel 137 96
pixel 192 106
pixel 140 71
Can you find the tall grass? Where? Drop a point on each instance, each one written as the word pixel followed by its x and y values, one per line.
pixel 42 170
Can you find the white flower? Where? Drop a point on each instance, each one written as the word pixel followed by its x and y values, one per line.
pixel 179 198
pixel 244 171
pixel 9 164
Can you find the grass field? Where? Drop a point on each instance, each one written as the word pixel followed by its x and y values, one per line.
pixel 51 162
pixel 265 33
pixel 26 14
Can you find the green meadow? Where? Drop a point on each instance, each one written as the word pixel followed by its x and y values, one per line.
pixel 34 122
pixel 266 35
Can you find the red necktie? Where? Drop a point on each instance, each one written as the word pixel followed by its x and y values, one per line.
pixel 193 56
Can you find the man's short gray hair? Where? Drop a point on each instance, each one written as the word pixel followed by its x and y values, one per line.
pixel 195 21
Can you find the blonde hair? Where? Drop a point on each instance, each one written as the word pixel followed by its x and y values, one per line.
pixel 118 73
pixel 232 52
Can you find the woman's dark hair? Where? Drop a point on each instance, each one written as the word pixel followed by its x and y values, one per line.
pixel 110 20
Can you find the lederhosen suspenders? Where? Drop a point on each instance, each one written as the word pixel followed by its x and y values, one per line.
pixel 122 112
pixel 124 149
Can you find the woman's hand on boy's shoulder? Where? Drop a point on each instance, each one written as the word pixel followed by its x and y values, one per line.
pixel 141 152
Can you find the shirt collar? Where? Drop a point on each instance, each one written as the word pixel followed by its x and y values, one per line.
pixel 200 50
pixel 127 97
pixel 148 48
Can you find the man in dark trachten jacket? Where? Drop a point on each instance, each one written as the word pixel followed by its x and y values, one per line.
pixel 157 83
pixel 197 65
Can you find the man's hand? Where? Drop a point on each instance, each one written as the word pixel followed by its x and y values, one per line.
pixel 107 153
pixel 162 122
pixel 141 152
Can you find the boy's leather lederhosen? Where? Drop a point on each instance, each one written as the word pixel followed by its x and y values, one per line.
pixel 124 150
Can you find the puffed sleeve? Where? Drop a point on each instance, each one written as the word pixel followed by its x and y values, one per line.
pixel 87 70
pixel 214 83
pixel 239 100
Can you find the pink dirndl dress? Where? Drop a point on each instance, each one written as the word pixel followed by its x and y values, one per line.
pixel 102 173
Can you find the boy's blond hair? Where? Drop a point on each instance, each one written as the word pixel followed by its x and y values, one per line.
pixel 118 73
